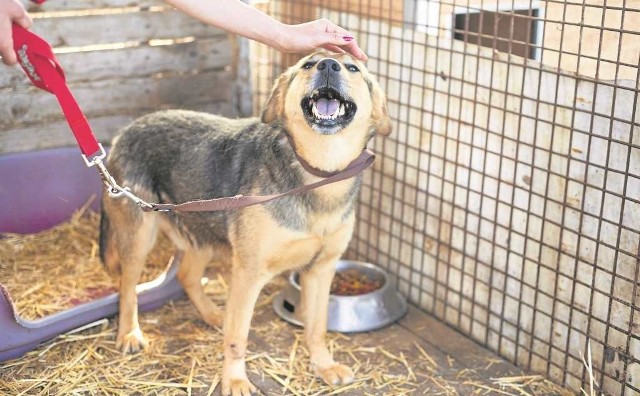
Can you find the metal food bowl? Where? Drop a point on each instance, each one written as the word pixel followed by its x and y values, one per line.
pixel 348 314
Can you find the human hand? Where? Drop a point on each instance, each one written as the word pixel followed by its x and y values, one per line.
pixel 11 11
pixel 319 33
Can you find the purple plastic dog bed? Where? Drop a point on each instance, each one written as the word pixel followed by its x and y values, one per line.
pixel 37 191
pixel 43 188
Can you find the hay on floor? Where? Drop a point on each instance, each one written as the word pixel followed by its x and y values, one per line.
pixel 60 267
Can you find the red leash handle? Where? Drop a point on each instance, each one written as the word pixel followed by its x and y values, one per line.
pixel 38 61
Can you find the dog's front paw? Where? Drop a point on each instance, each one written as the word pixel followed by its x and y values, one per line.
pixel 132 341
pixel 336 374
pixel 237 387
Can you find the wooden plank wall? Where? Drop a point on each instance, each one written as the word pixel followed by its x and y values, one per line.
pixel 490 206
pixel 122 59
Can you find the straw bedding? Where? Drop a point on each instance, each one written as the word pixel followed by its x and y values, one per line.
pixel 59 268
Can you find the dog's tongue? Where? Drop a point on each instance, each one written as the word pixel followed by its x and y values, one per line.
pixel 326 106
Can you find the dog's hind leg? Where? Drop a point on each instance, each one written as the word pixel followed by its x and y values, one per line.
pixel 108 248
pixel 190 276
pixel 135 238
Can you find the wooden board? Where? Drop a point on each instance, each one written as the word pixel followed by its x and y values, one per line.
pixel 122 59
pixel 110 97
pixel 134 61
pixel 139 26
pixel 57 133
pixel 391 11
pixel 83 5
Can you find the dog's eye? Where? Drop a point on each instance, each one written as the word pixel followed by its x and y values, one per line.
pixel 352 68
pixel 308 65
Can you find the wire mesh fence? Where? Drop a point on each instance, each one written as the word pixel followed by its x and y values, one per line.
pixel 507 200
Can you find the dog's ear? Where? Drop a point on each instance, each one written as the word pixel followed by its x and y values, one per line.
pixel 380 114
pixel 274 108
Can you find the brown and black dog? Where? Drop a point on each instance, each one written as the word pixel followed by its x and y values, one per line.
pixel 326 108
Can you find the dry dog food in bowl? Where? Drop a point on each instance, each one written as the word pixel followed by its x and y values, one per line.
pixel 362 298
pixel 352 282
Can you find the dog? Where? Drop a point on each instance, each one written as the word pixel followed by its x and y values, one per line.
pixel 320 115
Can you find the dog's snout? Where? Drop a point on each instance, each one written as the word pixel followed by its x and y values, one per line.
pixel 329 64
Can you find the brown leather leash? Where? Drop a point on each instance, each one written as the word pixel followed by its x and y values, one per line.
pixel 37 59
pixel 364 160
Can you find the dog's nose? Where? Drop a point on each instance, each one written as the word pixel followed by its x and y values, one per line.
pixel 329 64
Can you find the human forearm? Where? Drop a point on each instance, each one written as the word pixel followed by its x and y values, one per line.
pixel 235 17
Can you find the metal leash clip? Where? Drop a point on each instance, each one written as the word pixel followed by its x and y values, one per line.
pixel 97 158
pixel 113 188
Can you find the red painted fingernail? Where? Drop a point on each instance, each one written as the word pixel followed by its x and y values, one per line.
pixel 347 38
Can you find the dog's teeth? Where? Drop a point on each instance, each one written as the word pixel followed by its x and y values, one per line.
pixel 340 111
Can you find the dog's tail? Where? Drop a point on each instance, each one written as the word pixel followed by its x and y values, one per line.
pixel 108 250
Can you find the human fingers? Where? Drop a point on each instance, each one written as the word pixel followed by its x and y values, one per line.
pixel 6 42
pixel 344 43
pixel 355 50
pixel 334 48
pixel 344 39
pixel 25 20
pixel 15 11
pixel 11 11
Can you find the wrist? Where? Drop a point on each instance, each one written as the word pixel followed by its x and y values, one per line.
pixel 279 37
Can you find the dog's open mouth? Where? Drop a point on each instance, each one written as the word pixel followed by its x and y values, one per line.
pixel 327 110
